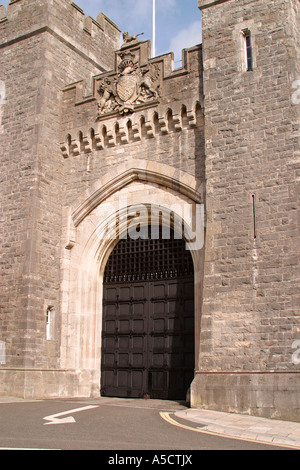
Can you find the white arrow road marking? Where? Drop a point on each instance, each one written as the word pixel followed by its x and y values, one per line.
pixel 54 419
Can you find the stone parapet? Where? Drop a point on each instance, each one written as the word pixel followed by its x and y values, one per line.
pixel 203 4
pixel 96 40
pixel 107 118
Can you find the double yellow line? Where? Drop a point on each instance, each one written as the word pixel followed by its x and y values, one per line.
pixel 167 417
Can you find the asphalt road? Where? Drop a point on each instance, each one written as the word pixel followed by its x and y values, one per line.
pixel 105 424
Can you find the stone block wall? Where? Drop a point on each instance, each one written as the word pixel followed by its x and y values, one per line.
pixel 211 132
pixel 43 47
pixel 169 130
pixel 251 280
pixel 153 155
pixel 54 151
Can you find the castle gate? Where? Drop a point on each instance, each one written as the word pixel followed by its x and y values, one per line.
pixel 148 318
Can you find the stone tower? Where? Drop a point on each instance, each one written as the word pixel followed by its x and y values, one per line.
pixel 91 130
pixel 43 46
pixel 250 320
pixel 97 137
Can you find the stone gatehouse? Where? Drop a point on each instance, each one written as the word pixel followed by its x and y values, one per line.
pixel 149 216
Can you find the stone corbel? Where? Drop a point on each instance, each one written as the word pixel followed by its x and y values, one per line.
pixel 123 133
pixel 64 147
pixel 111 137
pixel 137 134
pixel 87 144
pixel 97 142
pixel 177 122
pixel 163 122
pixel 191 116
pixel 75 147
pixel 149 128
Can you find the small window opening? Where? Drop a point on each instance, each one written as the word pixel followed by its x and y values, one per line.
pixel 49 322
pixel 2 353
pixel 248 50
pixel 254 216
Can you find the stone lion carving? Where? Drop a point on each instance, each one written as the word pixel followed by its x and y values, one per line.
pixel 107 100
pixel 127 38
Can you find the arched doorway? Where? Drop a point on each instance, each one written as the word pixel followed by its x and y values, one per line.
pixel 148 345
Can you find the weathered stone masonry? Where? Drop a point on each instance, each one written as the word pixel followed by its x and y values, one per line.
pixel 44 46
pixel 251 279
pixel 68 153
pixel 90 122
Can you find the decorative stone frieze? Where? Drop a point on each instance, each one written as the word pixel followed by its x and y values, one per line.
pixel 148 125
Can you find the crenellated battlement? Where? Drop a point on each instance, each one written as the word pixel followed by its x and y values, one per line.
pixel 202 4
pixel 18 7
pixel 164 63
pixel 96 39
pixel 3 14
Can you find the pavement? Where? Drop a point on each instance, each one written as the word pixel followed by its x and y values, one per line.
pixel 244 427
pixel 229 425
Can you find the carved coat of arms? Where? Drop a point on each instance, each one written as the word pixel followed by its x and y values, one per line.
pixel 127 84
pixel 133 85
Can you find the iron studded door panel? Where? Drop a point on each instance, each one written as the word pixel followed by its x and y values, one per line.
pixel 171 345
pixel 148 339
pixel 124 349
pixel 148 319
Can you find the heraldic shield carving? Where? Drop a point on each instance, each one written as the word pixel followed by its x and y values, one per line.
pixel 127 86
pixel 130 86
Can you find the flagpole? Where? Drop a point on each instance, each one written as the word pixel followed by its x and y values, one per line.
pixel 154 29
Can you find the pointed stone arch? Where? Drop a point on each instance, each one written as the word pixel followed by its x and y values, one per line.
pixel 120 177
pixel 84 262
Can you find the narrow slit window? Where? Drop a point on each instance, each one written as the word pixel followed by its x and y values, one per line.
pixel 248 50
pixel 49 323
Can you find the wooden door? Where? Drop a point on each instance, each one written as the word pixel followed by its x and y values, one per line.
pixel 148 320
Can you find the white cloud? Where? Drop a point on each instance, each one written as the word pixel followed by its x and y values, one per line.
pixel 185 38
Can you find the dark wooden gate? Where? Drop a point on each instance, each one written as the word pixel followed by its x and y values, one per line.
pixel 148 320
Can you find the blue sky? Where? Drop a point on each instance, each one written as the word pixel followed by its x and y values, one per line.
pixel 178 22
